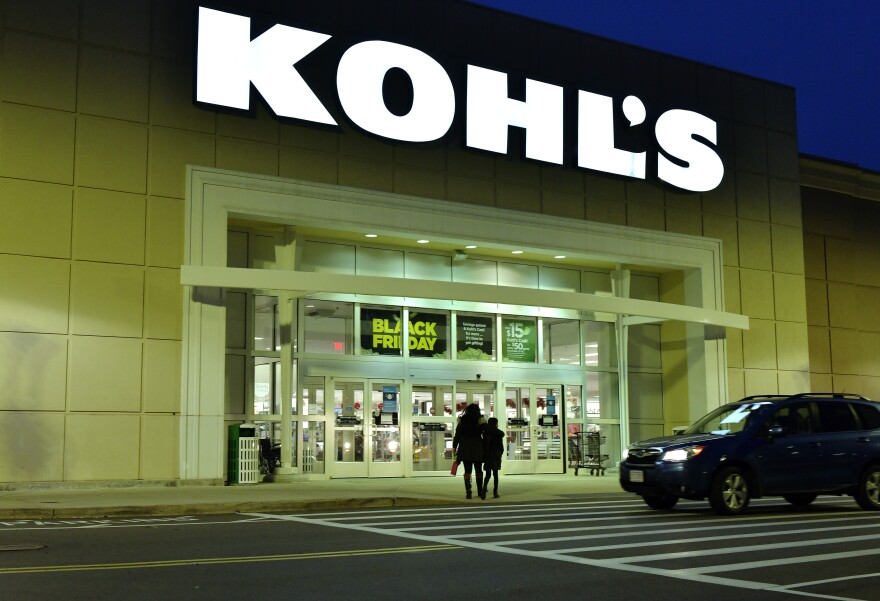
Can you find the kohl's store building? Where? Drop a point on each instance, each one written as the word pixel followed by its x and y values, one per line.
pixel 344 221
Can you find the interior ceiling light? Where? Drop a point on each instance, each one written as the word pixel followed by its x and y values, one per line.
pixel 516 252
pixel 559 257
pixel 371 235
pixel 422 241
pixel 471 246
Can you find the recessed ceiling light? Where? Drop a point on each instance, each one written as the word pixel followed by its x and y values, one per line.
pixel 471 246
pixel 422 241
pixel 559 257
pixel 516 252
pixel 371 235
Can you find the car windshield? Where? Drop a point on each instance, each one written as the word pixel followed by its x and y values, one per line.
pixel 729 419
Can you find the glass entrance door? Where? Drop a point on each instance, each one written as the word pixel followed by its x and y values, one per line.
pixel 384 443
pixel 534 428
pixel 432 423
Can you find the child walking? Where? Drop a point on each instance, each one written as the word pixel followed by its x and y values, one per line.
pixel 493 449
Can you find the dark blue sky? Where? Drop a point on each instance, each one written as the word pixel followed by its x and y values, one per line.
pixel 828 50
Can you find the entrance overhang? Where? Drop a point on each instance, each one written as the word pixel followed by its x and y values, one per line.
pixel 304 283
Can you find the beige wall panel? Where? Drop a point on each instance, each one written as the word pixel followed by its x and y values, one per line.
pixel 846 383
pixel 105 374
pixel 161 376
pixel 108 226
pixel 785 202
pixel 170 151
pixel 111 154
pixel 243 155
pixel 692 203
pixel 817 302
pixel 792 346
pixel 116 24
pixel 563 204
pixel 514 171
pixel 840 258
pixel 36 218
pixel 372 175
pixel 308 165
pixel 92 449
pixel 736 384
pixel 32 447
pixel 756 292
pixel 107 300
pixel 788 249
pixel 164 232
pixel 518 197
pixel 113 84
pixel 36 144
pixel 759 345
pixel 160 450
pixel 171 102
pixel 722 200
pixel 869 308
pixel 755 245
pixel 752 197
pixel 33 372
pixel 684 222
pixel 820 349
pixel 38 71
pixel 605 210
pixel 258 125
pixel 423 158
pixel 641 192
pixel 563 180
pixel 845 352
pixel 470 190
pixel 870 387
pixel 725 229
pixel 416 182
pixel 734 347
pixel 843 310
pixel 870 347
pixel 470 164
pixel 163 317
pixel 761 381
pixel 790 297
pixel 58 18
pixel 794 382
pixel 868 264
pixel 646 216
pixel 731 290
pixel 814 256
pixel 821 383
pixel 322 140
pixel 355 144
pixel 35 294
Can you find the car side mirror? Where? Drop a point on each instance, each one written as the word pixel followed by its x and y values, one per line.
pixel 776 431
pixel 679 430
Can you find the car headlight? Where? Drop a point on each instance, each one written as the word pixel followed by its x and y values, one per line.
pixel 682 454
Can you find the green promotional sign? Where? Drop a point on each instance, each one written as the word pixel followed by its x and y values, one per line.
pixel 520 340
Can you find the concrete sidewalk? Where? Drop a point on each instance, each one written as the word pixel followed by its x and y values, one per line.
pixel 291 496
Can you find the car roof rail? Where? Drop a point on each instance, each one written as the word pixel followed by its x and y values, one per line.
pixel 764 396
pixel 836 395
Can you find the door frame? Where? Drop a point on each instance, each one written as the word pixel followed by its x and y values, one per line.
pixel 533 465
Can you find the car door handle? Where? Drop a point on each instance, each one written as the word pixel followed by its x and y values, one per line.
pixel 863 439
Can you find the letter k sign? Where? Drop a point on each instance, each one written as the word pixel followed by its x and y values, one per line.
pixel 228 61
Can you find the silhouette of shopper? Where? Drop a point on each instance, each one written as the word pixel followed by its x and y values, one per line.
pixel 493 450
pixel 468 445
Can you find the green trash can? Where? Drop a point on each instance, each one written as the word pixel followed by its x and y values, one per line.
pixel 243 454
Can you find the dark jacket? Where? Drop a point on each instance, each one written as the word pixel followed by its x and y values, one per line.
pixel 468 441
pixel 493 448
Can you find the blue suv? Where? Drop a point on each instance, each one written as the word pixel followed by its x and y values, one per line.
pixel 795 446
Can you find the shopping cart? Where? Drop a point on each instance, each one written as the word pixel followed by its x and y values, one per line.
pixel 585 452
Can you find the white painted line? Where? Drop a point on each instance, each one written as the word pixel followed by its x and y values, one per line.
pixel 778 562
pixel 830 580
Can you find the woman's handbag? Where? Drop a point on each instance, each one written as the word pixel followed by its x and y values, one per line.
pixel 454 469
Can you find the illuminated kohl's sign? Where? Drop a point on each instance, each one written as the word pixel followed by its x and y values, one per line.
pixel 229 61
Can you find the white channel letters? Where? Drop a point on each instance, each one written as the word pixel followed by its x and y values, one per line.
pixel 229 61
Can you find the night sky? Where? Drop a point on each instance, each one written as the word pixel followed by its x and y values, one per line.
pixel 829 51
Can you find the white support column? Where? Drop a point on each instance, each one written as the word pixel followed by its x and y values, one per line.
pixel 620 287
pixel 285 256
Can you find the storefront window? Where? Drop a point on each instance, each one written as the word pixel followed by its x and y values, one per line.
pixel 600 344
pixel 601 396
pixel 329 327
pixel 267 386
pixel 312 397
pixel 475 337
pixel 562 341
pixel 428 334
pixel 519 339
pixel 381 331
pixel 267 332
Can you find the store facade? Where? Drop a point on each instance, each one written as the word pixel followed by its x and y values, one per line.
pixel 386 211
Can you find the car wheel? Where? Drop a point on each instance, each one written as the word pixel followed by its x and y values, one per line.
pixel 729 494
pixel 800 499
pixel 868 493
pixel 660 502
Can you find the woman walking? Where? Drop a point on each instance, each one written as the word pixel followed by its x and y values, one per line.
pixel 468 445
pixel 493 450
